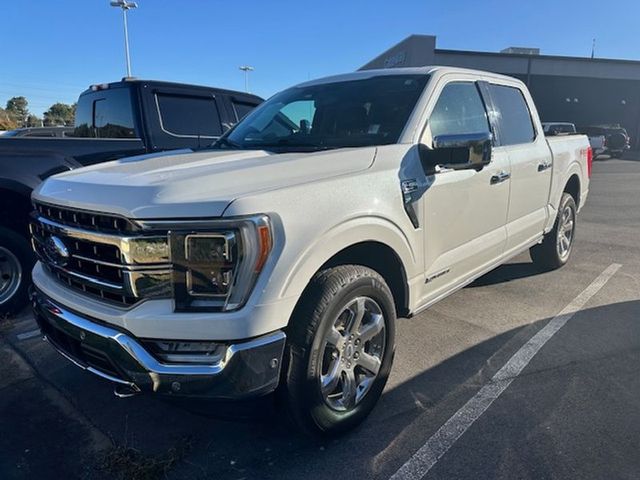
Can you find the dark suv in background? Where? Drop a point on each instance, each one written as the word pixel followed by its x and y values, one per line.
pixel 617 140
pixel 113 120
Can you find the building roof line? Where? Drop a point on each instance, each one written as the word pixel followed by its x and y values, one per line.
pixel 545 57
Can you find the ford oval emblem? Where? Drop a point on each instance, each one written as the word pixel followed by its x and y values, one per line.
pixel 56 251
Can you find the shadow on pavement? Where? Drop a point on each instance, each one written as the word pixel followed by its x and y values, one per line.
pixel 251 440
pixel 507 273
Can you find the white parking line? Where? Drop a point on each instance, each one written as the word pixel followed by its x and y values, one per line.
pixel 428 455
pixel 29 334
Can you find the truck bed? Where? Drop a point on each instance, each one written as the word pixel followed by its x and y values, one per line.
pixel 570 155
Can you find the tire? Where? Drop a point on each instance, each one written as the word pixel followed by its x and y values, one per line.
pixel 323 323
pixel 554 251
pixel 16 262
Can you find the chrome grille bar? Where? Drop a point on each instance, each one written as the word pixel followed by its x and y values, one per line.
pixel 122 269
pixel 134 250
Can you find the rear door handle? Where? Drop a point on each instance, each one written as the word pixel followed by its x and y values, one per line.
pixel 544 166
pixel 500 177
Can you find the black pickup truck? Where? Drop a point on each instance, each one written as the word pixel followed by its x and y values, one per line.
pixel 113 120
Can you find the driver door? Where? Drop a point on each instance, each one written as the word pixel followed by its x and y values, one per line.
pixel 465 211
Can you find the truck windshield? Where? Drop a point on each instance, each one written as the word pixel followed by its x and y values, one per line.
pixel 354 113
pixel 105 114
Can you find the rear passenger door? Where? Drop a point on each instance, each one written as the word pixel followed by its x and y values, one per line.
pixel 530 164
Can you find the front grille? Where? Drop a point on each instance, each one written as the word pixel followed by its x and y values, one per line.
pixel 119 269
pixel 86 220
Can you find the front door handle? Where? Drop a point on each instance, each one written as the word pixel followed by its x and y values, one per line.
pixel 544 166
pixel 500 177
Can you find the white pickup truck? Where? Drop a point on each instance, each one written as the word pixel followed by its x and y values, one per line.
pixel 281 257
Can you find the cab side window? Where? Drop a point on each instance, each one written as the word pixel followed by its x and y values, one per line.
pixel 459 110
pixel 512 115
pixel 189 115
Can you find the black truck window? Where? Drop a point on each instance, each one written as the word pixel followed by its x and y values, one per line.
pixel 189 116
pixel 105 114
pixel 242 108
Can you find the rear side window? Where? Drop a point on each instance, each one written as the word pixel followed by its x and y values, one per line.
pixel 513 116
pixel 242 108
pixel 189 116
pixel 459 111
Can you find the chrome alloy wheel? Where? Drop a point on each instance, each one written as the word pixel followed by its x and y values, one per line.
pixel 10 275
pixel 352 353
pixel 565 232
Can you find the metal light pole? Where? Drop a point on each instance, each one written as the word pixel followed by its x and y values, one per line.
pixel 246 69
pixel 125 5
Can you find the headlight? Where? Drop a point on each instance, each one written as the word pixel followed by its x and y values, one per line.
pixel 216 265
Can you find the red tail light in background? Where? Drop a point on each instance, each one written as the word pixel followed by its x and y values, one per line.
pixel 589 161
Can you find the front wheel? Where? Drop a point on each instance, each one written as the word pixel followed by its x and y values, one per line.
pixel 556 247
pixel 16 261
pixel 340 349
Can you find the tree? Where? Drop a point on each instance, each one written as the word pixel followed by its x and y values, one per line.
pixel 60 114
pixel 6 121
pixel 17 107
pixel 33 121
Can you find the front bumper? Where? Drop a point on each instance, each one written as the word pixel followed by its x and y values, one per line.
pixel 248 368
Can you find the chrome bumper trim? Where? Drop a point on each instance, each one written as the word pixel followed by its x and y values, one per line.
pixel 247 369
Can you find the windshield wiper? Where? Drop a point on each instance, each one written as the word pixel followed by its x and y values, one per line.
pixel 227 143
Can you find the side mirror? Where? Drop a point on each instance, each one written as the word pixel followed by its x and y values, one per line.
pixel 457 152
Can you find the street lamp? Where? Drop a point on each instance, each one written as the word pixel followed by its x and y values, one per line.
pixel 246 69
pixel 125 5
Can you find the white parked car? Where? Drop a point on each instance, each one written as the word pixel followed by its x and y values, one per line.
pixel 282 256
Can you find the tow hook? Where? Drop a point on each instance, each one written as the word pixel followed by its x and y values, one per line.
pixel 125 391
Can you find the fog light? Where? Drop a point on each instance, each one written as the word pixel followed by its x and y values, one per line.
pixel 180 351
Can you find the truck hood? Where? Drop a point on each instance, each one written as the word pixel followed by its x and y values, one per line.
pixel 200 184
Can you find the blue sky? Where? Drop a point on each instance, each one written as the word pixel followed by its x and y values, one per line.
pixel 52 50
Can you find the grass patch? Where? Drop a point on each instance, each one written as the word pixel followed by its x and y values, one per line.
pixel 121 462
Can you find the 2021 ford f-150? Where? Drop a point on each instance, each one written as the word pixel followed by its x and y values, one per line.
pixel 282 257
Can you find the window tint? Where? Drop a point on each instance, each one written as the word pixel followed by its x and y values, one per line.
pixel 513 117
pixel 189 116
pixel 84 117
pixel 459 110
pixel 112 115
pixel 105 114
pixel 242 109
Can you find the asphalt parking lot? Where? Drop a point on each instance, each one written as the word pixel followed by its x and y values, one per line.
pixel 572 410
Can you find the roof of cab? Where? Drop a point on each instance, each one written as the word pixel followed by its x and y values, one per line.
pixel 165 84
pixel 426 70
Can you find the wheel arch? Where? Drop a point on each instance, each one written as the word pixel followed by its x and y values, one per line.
pixel 376 244
pixel 15 205
pixel 572 187
pixel 382 259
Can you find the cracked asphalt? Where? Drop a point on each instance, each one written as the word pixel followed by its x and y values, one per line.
pixel 573 412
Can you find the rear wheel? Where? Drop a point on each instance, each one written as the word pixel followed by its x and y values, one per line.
pixel 340 349
pixel 555 249
pixel 16 261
